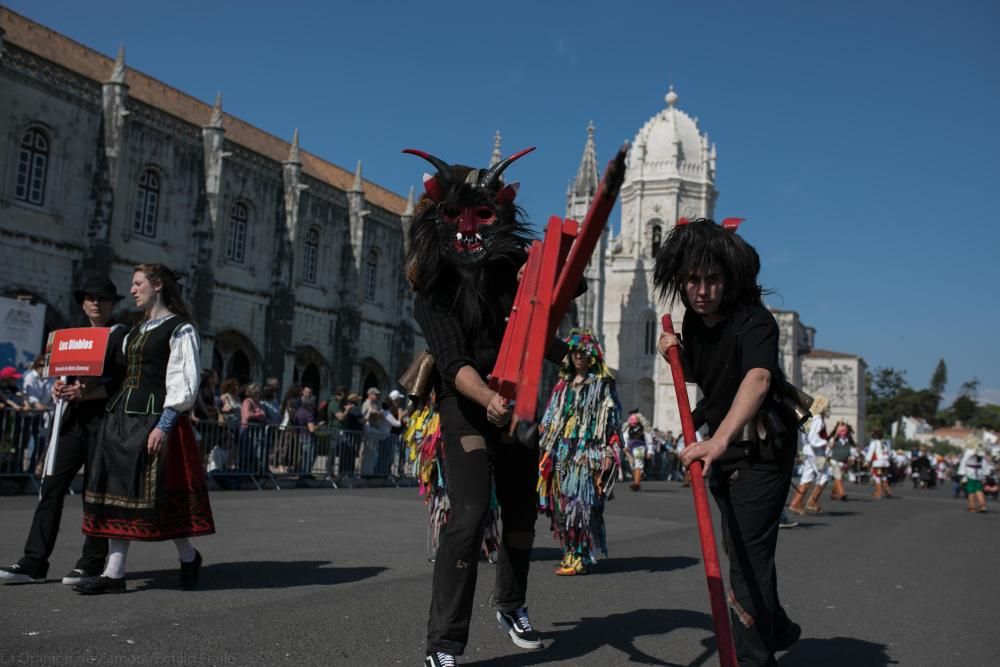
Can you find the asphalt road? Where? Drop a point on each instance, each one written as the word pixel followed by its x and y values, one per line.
pixel 340 577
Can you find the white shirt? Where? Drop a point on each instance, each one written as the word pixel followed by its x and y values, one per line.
pixel 38 390
pixel 814 444
pixel 183 366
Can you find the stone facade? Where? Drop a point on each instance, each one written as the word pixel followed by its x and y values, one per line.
pixel 671 173
pixel 292 265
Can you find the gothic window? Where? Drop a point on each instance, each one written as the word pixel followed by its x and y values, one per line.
pixel 371 273
pixel 310 256
pixel 657 239
pixel 236 244
pixel 147 203
pixel 32 167
pixel 652 335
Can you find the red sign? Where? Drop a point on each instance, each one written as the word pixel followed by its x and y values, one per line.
pixel 76 351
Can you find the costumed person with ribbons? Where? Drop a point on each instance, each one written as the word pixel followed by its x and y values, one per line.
pixel 581 445
pixel 730 349
pixel 637 450
pixel 78 433
pixel 426 451
pixel 814 468
pixel 148 479
pixel 466 245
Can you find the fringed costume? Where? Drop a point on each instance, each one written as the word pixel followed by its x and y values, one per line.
pixel 581 445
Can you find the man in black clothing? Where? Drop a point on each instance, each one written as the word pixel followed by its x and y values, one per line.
pixel 730 350
pixel 77 439
pixel 466 246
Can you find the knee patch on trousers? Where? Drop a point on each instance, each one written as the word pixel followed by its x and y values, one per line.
pixel 520 539
pixel 472 443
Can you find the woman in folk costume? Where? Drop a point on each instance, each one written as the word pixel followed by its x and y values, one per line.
pixel 974 468
pixel 426 451
pixel 581 441
pixel 814 469
pixel 147 481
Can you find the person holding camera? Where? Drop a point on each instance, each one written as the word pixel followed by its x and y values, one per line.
pixel 730 350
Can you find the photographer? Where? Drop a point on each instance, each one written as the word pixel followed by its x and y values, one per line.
pixel 731 351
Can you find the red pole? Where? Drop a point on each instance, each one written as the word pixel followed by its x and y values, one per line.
pixel 709 553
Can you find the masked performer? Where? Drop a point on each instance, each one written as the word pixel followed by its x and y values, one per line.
pixel 730 349
pixel 148 480
pixel 581 438
pixel 466 245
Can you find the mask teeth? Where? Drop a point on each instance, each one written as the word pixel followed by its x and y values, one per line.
pixel 479 237
pixel 458 236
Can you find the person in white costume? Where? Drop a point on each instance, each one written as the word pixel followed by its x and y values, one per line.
pixel 879 457
pixel 814 468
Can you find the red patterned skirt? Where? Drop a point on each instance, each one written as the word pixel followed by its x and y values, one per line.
pixel 132 495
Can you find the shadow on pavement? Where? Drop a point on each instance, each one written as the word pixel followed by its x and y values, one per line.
pixel 618 631
pixel 260 574
pixel 837 651
pixel 644 564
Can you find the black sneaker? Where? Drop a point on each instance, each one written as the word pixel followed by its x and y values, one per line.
pixel 518 626
pixel 20 574
pixel 439 659
pixel 100 585
pixel 77 575
pixel 190 572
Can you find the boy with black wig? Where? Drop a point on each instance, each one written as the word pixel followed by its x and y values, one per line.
pixel 730 350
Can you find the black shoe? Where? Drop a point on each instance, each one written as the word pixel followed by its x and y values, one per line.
pixel 190 571
pixel 77 575
pixel 519 628
pixel 100 585
pixel 790 635
pixel 19 573
pixel 439 659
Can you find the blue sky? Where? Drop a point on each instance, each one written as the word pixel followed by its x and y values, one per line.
pixel 859 139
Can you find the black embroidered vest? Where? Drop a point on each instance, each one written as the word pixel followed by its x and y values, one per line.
pixel 146 354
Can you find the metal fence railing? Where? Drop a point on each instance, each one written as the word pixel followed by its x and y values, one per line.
pixel 264 454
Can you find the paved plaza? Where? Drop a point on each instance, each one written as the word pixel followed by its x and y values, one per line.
pixel 340 577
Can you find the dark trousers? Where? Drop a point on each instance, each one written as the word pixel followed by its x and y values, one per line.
pixel 77 440
pixel 514 467
pixel 750 501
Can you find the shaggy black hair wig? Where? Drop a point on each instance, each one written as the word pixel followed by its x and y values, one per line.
pixel 466 289
pixel 696 246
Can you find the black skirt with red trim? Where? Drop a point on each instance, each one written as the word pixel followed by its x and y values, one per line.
pixel 132 495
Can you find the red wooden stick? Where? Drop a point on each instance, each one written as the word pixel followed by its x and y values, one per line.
pixel 709 553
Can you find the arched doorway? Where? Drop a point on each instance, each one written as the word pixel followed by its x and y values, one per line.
pixel 373 375
pixel 235 356
pixel 311 370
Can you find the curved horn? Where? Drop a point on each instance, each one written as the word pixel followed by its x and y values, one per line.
pixel 443 167
pixel 490 178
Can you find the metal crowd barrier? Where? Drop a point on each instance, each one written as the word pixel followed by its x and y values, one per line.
pixel 24 436
pixel 268 453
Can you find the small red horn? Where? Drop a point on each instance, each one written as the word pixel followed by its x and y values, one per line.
pixel 433 188
pixel 682 221
pixel 732 224
pixel 507 194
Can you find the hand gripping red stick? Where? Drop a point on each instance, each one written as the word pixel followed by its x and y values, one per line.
pixel 709 553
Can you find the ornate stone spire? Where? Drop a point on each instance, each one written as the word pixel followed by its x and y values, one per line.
pixel 118 73
pixel 293 152
pixel 497 155
pixel 216 120
pixel 586 180
pixel 408 213
pixel 358 181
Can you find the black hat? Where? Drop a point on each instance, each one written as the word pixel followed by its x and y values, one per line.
pixel 99 286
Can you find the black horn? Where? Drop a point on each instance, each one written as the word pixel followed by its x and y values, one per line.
pixel 443 167
pixel 491 177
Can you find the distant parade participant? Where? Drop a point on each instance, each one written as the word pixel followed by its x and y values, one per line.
pixel 581 453
pixel 840 453
pixel 466 245
pixel 78 434
pixel 879 458
pixel 814 468
pixel 636 442
pixel 974 468
pixel 730 347
pixel 148 480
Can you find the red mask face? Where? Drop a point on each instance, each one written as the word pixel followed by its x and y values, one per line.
pixel 463 227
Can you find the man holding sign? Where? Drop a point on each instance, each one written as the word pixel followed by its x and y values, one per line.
pixel 86 399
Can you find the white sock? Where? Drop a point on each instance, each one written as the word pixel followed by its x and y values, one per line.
pixel 117 552
pixel 185 551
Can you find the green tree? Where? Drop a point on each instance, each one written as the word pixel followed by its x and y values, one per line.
pixel 939 379
pixel 965 406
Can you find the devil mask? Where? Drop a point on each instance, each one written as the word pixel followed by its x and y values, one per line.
pixel 468 214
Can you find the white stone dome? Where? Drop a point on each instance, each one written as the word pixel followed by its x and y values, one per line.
pixel 655 148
